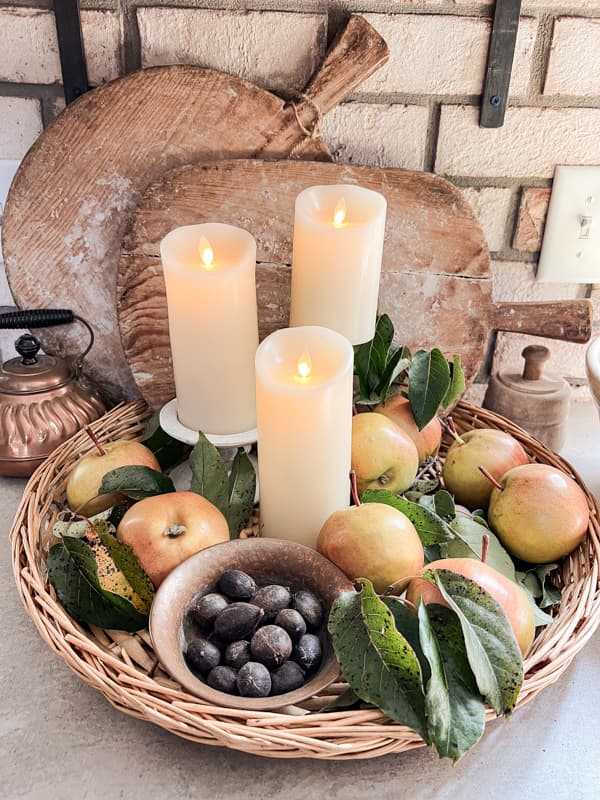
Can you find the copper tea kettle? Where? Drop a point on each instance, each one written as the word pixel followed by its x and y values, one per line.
pixel 43 400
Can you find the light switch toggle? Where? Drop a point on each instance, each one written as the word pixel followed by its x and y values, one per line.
pixel 585 227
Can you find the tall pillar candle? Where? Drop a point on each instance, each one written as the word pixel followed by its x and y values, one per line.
pixel 209 274
pixel 336 264
pixel 304 420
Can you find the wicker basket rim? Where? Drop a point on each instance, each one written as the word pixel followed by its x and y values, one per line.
pixel 123 667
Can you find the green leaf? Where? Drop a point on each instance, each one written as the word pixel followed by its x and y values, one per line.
pixel 371 357
pixel 441 503
pixel 455 709
pixel 428 383
pixel 117 513
pixel 136 482
pixel 491 646
pixel 457 383
pixel 395 369
pixel 168 451
pixel 535 584
pixel 242 489
pixel 431 528
pixel 209 476
pixel 408 625
pixel 73 572
pixel 421 487
pixel 126 560
pixel 376 660
pixel 78 526
pixel 469 542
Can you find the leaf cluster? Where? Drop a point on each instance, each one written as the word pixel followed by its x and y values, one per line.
pixel 382 367
pixel 444 533
pixel 435 671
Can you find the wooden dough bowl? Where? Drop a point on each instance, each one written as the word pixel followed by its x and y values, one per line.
pixel 436 283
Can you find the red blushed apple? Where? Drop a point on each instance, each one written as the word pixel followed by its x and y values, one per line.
pixel 513 600
pixel 383 456
pixel 540 514
pixel 428 440
pixel 166 529
pixel 85 479
pixel 495 450
pixel 373 541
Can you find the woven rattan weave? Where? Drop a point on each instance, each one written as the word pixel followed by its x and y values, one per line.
pixel 124 667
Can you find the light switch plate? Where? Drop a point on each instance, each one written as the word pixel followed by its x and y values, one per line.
pixel 571 247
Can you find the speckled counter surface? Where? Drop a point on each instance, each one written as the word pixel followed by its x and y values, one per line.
pixel 61 740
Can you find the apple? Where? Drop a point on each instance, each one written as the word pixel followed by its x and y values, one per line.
pixel 539 513
pixel 383 456
pixel 428 440
pixel 511 597
pixel 495 450
pixel 85 479
pixel 373 541
pixel 166 529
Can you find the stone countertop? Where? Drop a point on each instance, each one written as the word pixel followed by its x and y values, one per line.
pixel 61 740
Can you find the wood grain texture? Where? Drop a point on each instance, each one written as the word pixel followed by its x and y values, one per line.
pixel 436 281
pixel 69 204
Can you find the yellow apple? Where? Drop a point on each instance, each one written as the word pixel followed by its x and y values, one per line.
pixel 85 479
pixel 486 447
pixel 540 514
pixel 428 440
pixel 166 529
pixel 383 456
pixel 373 541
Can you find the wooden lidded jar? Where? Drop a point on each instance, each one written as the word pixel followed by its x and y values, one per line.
pixel 537 402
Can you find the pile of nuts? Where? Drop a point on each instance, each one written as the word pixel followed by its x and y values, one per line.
pixel 255 641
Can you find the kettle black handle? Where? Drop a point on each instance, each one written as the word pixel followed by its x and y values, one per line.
pixel 36 318
pixel 46 318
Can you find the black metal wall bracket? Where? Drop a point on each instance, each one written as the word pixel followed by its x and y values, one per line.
pixel 70 47
pixel 499 67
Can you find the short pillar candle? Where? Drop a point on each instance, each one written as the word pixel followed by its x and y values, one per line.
pixel 336 263
pixel 209 272
pixel 304 420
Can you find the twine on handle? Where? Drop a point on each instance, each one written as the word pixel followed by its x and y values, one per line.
pixel 312 132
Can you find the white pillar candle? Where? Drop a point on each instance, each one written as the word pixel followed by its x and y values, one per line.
pixel 336 264
pixel 304 420
pixel 209 274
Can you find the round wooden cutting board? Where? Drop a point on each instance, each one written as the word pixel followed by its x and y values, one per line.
pixel 74 192
pixel 435 283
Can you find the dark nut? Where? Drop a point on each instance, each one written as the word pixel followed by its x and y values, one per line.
pixel 204 610
pixel 237 621
pixel 309 606
pixel 307 652
pixel 202 656
pixel 292 623
pixel 237 654
pixel 286 678
pixel 237 585
pixel 254 680
pixel 271 646
pixel 223 679
pixel 272 599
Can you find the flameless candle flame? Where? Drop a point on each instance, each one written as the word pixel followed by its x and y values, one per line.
pixel 339 213
pixel 304 368
pixel 206 253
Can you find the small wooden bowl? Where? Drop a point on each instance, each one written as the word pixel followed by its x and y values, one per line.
pixel 267 561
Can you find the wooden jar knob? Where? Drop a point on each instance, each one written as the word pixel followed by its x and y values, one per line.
pixel 535 357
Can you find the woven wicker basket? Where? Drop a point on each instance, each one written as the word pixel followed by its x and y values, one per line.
pixel 124 667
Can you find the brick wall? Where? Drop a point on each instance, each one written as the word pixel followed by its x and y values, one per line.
pixel 420 111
